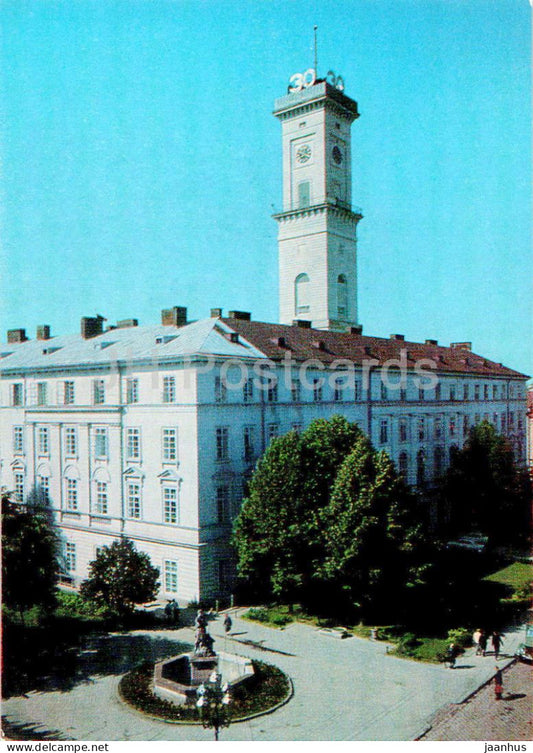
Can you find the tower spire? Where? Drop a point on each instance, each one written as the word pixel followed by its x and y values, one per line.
pixel 316 54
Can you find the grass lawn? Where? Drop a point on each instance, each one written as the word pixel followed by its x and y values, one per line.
pixel 516 576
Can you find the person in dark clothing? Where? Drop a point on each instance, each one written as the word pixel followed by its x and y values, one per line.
pixel 483 643
pixel 496 643
pixel 227 623
pixel 452 654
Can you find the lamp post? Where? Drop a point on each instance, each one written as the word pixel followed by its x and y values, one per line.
pixel 213 701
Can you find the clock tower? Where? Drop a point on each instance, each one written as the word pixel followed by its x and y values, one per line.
pixel 317 227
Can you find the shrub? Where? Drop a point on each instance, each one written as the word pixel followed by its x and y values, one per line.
pixel 460 636
pixel 259 614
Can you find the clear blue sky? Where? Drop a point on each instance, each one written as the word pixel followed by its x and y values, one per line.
pixel 141 162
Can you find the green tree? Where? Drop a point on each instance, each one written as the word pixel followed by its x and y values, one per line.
pixel 372 540
pixel 485 490
pixel 30 549
pixel 120 577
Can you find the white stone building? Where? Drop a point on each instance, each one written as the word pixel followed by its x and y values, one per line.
pixel 152 432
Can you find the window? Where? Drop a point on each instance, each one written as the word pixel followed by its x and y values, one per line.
pixel 437 428
pixel 42 393
pixel 100 503
pixel 383 390
pixel 133 500
pixel 486 391
pixel 304 194
pixel 466 424
pixel 100 443
pixel 43 484
pixel 298 428
pixel 248 442
pixel 272 432
pixel 383 431
pixel 223 506
pixel 342 297
pixel 19 487
pixel 301 294
pixel 170 568
pixel 317 389
pixel 494 391
pixel 452 392
pixel 338 392
pixel 403 394
pixel 495 419
pixel 221 390
pixel 18 440
pixel 438 391
pixel 169 389
pixel 71 443
pixel 222 439
pixel 133 444
pixel 357 391
pixel 504 423
pixel 476 392
pixel 98 391
pixel 248 391
pixel 421 429
pixel 403 429
pixel 68 393
pixel 72 494
pixel 438 460
pixel 170 505
pixel 272 393
pixel 43 440
pixel 403 464
pixel 170 444
pixel 421 393
pixel 132 390
pixel 70 557
pixel 224 574
pixel 420 468
pixel 17 394
pixel 296 391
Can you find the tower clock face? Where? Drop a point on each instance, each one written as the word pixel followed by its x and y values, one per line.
pixel 303 154
pixel 337 155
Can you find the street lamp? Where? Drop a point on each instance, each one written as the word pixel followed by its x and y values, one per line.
pixel 213 701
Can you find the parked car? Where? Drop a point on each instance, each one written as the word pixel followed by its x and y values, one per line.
pixel 474 542
pixel 525 649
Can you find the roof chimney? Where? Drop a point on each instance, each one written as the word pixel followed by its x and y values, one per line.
pixel 461 346
pixel 319 344
pixel 302 323
pixel 244 315
pixel 16 336
pixel 397 337
pixel 357 329
pixel 216 313
pixel 123 323
pixel 432 342
pixel 91 326
pixel 176 316
pixel 281 342
pixel 43 332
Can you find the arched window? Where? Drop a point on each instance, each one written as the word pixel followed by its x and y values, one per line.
pixel 301 294
pixel 342 296
pixel 403 464
pixel 420 468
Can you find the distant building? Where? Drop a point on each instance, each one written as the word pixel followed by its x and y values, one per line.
pixel 152 432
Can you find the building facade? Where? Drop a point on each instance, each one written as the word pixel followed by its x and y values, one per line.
pixel 153 432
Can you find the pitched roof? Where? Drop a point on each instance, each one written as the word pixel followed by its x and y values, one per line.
pixel 276 340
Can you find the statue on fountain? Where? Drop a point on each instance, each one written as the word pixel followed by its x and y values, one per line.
pixel 204 642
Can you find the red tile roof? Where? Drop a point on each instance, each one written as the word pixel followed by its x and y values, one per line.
pixel 304 344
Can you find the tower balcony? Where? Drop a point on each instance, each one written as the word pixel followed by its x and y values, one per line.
pixel 329 204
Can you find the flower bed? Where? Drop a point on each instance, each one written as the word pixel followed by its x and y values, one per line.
pixel 268 688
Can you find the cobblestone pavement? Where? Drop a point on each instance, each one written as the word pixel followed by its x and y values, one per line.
pixel 343 690
pixel 481 717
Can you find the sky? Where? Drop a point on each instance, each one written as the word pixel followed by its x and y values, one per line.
pixel 142 164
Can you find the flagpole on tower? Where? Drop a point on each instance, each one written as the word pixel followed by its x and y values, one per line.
pixel 316 56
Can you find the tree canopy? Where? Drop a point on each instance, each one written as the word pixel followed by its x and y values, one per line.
pixel 325 512
pixel 485 490
pixel 30 551
pixel 120 577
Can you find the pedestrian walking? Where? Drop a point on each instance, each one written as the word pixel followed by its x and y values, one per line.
pixel 452 654
pixel 227 623
pixel 475 639
pixel 498 684
pixel 497 641
pixel 483 643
